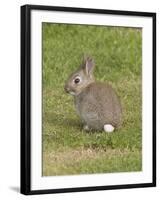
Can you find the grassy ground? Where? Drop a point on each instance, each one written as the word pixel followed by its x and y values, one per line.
pixel 67 149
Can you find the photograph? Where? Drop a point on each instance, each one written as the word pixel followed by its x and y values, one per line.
pixel 92 99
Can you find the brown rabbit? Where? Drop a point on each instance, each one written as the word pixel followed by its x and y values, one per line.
pixel 96 103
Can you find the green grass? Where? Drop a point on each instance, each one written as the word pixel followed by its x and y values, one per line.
pixel 67 148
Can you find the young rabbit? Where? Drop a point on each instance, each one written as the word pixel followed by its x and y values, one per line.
pixel 96 103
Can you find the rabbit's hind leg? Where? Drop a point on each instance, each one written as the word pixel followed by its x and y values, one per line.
pixel 108 128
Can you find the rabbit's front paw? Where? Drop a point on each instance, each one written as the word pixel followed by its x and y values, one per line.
pixel 86 127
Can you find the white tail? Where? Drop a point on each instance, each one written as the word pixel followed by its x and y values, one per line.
pixel 108 128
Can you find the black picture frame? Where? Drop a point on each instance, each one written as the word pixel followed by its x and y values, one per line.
pixel 26 98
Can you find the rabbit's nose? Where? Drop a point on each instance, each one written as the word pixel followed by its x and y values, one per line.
pixel 66 89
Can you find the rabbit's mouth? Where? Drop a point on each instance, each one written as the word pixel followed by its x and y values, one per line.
pixel 68 90
pixel 72 93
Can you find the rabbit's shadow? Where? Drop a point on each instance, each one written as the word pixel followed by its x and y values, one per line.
pixel 73 122
pixel 62 121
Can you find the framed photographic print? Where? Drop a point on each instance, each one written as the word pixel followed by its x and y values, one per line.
pixel 88 99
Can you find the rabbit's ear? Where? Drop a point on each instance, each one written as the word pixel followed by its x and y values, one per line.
pixel 89 65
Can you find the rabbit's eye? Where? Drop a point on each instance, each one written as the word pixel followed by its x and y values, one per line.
pixel 77 80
